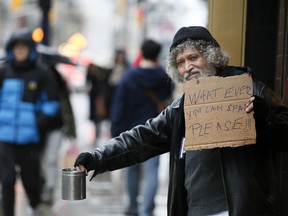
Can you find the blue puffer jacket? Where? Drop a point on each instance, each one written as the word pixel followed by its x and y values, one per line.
pixel 28 96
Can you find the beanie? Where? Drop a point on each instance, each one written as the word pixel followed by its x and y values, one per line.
pixel 193 33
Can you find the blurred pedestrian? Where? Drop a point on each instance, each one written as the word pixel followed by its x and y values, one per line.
pixel 63 127
pixel 224 181
pixel 99 95
pixel 28 103
pixel 120 66
pixel 138 97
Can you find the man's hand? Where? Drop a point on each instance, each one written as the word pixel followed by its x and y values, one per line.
pixel 250 105
pixel 261 111
pixel 80 168
pixel 84 162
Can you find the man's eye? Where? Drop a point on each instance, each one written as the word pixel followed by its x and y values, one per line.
pixel 180 63
pixel 193 57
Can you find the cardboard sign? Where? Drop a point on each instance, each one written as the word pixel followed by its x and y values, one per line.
pixel 215 112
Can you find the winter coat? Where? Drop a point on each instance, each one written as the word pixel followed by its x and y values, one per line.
pixel 249 173
pixel 28 96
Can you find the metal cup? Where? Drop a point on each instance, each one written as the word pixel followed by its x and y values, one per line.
pixel 73 184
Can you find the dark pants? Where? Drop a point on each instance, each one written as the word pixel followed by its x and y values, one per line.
pixel 27 158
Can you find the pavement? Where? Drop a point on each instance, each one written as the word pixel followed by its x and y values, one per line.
pixel 105 194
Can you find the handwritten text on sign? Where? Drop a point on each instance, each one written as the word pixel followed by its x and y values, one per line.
pixel 215 112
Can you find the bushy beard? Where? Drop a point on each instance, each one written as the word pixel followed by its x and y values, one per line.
pixel 207 71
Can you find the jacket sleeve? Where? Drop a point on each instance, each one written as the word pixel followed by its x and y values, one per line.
pixel 118 113
pixel 275 131
pixel 49 100
pixel 136 145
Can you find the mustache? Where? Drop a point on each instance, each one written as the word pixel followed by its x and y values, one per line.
pixel 191 72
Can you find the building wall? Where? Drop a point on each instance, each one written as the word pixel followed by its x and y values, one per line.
pixel 281 88
pixel 227 23
pixel 261 39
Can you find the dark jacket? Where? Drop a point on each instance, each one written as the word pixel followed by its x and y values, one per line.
pixel 131 104
pixel 249 173
pixel 28 96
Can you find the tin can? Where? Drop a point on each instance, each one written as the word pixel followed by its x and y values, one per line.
pixel 73 184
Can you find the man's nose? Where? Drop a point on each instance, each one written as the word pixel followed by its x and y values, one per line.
pixel 188 66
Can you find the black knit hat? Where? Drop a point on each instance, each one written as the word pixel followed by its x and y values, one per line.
pixel 193 33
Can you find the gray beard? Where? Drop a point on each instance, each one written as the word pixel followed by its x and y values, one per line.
pixel 207 71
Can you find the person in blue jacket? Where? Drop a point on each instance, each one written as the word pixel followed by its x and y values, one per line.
pixel 28 103
pixel 138 97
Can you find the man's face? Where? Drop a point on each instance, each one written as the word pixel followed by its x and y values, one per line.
pixel 20 51
pixel 191 64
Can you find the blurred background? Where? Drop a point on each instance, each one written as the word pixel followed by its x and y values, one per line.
pixel 254 32
pixel 99 27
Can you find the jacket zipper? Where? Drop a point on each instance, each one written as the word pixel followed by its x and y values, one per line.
pixel 16 139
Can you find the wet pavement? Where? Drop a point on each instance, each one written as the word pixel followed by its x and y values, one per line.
pixel 105 197
pixel 105 194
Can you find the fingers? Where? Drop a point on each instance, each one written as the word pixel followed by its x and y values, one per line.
pixel 80 168
pixel 249 105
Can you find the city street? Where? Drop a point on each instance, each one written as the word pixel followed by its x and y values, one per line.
pixel 105 195
pixel 103 199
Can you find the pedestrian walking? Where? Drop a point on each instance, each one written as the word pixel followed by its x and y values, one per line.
pixel 28 104
pixel 120 66
pixel 100 92
pixel 153 87
pixel 63 128
pixel 225 181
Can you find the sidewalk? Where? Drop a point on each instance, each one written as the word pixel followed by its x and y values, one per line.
pixel 105 194
pixel 103 201
pixel 104 197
